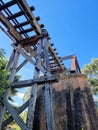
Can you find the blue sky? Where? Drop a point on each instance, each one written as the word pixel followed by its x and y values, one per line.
pixel 72 25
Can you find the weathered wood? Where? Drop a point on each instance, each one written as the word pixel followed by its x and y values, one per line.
pixel 15 115
pixel 21 65
pixel 27 30
pixel 33 97
pixel 9 65
pixel 55 56
pixel 30 15
pixel 19 14
pixel 2 7
pixel 25 22
pixel 11 78
pixel 12 30
pixel 32 54
pixel 48 93
pixel 32 61
pixel 39 81
pixel 22 108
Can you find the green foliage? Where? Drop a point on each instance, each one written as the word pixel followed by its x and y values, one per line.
pixel 91 70
pixel 4 82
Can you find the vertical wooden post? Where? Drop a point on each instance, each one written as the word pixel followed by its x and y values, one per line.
pixel 73 67
pixel 48 92
pixel 33 97
pixel 11 78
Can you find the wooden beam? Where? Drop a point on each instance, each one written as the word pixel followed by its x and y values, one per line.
pixel 27 10
pixel 48 93
pixel 27 30
pixel 33 97
pixel 32 61
pixel 8 4
pixel 68 57
pixel 11 78
pixel 22 24
pixel 27 83
pixel 22 108
pixel 12 30
pixel 20 13
pixel 55 56
pixel 15 115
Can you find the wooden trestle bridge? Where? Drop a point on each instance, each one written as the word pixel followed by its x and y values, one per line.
pixel 60 99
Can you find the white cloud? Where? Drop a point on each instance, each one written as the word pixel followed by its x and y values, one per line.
pixel 20 95
pixel 15 104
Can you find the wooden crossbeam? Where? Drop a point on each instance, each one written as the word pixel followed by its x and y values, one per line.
pixel 32 61
pixel 14 115
pixel 22 108
pixel 26 31
pixel 55 56
pixel 8 4
pixel 20 13
pixel 26 8
pixel 30 29
pixel 26 22
pixel 12 30
pixel 27 83
pixel 75 65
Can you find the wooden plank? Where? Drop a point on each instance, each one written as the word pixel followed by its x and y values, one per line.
pixel 22 108
pixel 12 30
pixel 11 78
pixel 33 97
pixel 27 30
pixel 48 107
pixel 8 67
pixel 15 115
pixel 10 119
pixel 39 81
pixel 32 61
pixel 21 65
pixel 8 4
pixel 27 10
pixel 22 24
pixel 26 22
pixel 20 13
pixel 32 54
pixel 48 93
pixel 68 57
pixel 55 56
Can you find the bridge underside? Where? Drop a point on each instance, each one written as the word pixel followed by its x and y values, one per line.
pixel 66 105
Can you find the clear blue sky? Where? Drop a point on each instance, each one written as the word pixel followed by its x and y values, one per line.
pixel 72 25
